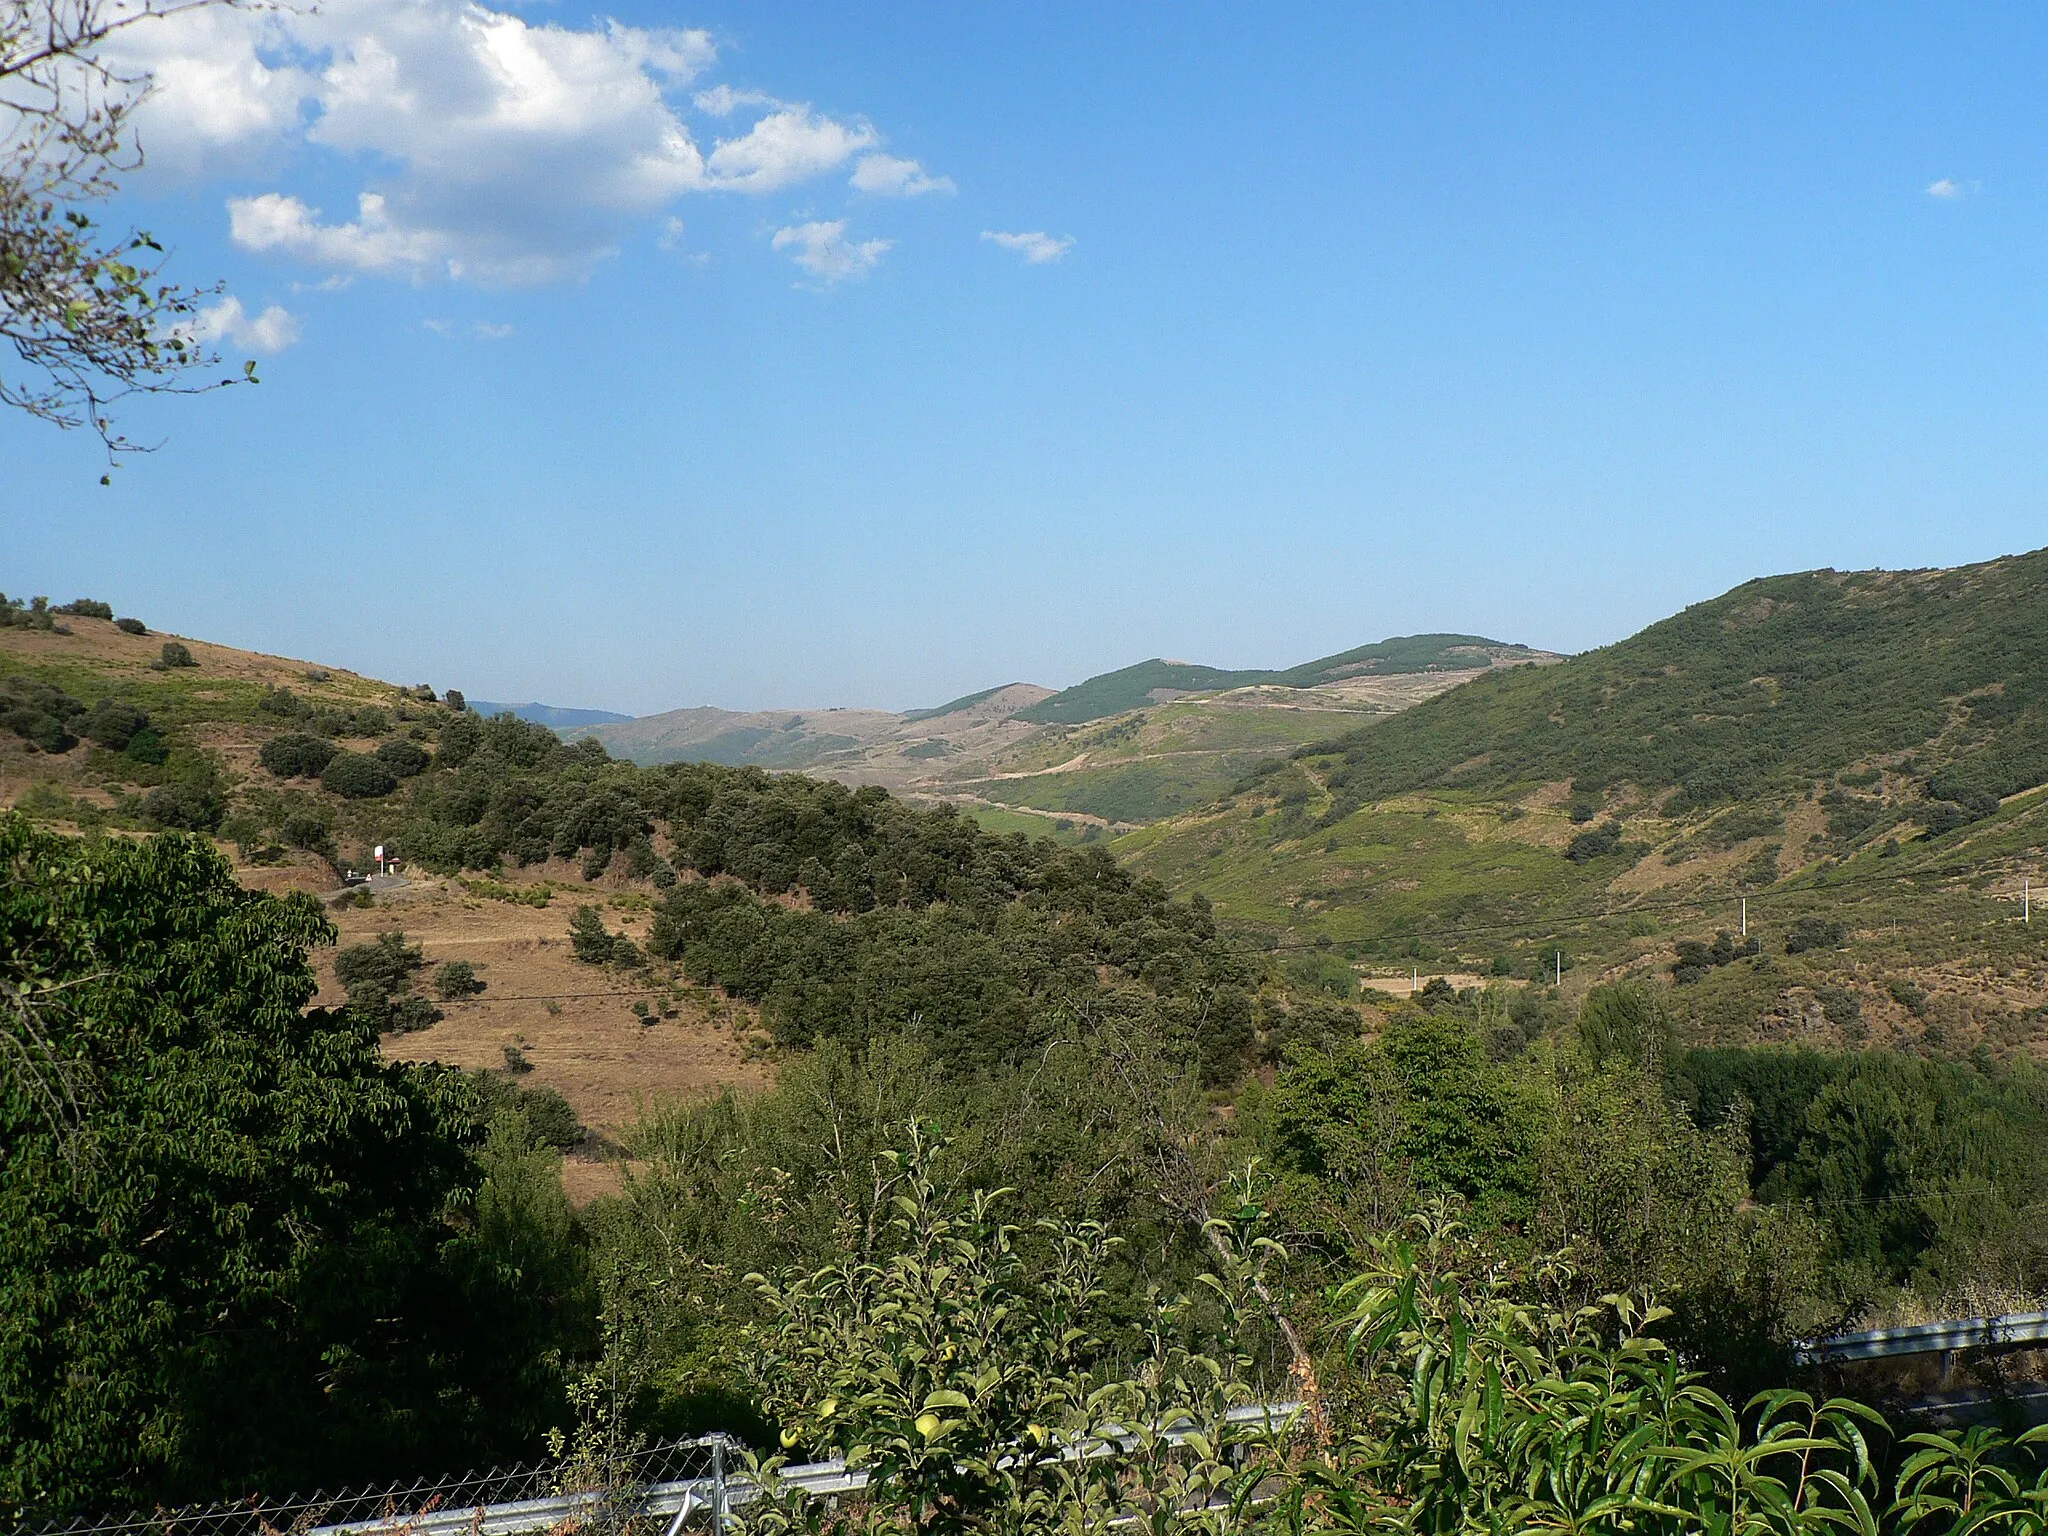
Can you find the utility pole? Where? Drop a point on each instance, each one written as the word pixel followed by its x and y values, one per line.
pixel 1745 917
pixel 2027 901
pixel 1560 970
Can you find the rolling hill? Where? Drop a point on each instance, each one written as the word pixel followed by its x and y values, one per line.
pixel 1118 750
pixel 1161 682
pixel 1864 751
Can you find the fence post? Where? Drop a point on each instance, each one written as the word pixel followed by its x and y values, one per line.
pixel 718 1485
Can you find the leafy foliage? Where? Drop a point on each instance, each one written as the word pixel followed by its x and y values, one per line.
pixel 357 776
pixel 294 755
pixel 224 1248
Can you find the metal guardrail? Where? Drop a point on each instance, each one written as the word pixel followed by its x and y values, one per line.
pixel 449 1508
pixel 2008 1331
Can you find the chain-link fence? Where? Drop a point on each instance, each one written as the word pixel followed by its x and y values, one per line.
pixel 663 1487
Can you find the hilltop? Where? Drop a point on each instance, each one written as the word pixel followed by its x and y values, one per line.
pixel 1863 752
pixel 1117 750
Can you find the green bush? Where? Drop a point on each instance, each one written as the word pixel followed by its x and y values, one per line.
pixel 303 829
pixel 176 654
pixel 147 748
pixel 131 626
pixel 456 979
pixel 1598 843
pixel 404 758
pixel 88 608
pixel 357 776
pixel 40 714
pixel 181 807
pixel 1813 933
pixel 297 756
pixel 113 724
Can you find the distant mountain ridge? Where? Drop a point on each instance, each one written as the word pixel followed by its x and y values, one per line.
pixel 1115 750
pixel 551 715
pixel 1157 681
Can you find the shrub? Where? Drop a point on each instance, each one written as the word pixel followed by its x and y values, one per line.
pixel 1597 843
pixel 303 829
pixel 283 702
pixel 88 608
pixel 594 946
pixel 146 747
pixel 357 776
pixel 39 714
pixel 454 700
pixel 378 977
pixel 456 979
pixel 1909 995
pixel 296 755
pixel 1696 959
pixel 1813 933
pixel 550 1117
pixel 175 654
pixel 183 808
pixel 403 758
pixel 131 626
pixel 516 1062
pixel 407 1015
pixel 113 724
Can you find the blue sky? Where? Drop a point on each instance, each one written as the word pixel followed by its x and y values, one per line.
pixel 1535 322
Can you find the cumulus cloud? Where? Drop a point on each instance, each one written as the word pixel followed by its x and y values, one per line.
pixel 1944 188
pixel 491 147
pixel 1034 245
pixel 229 324
pixel 786 146
pixel 822 249
pixel 889 176
pixel 369 243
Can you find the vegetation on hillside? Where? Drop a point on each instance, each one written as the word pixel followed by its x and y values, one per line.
pixel 1133 687
pixel 1777 683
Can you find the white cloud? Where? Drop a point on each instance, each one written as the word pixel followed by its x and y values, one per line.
pixel 1944 188
pixel 889 176
pixel 489 147
pixel 724 100
pixel 784 147
pixel 1034 245
pixel 822 249
pixel 485 331
pixel 671 236
pixel 228 323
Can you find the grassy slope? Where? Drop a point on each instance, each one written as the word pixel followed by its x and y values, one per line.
pixel 1129 688
pixel 1777 682
pixel 1144 766
pixel 1722 740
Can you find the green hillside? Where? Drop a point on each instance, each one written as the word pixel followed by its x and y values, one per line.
pixel 1402 653
pixel 965 701
pixel 1773 684
pixel 1114 693
pixel 1860 758
pixel 1128 688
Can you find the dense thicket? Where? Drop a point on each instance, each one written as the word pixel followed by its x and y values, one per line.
pixel 237 1248
pixel 1778 682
